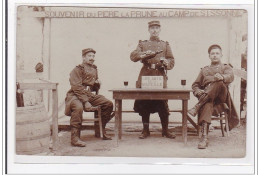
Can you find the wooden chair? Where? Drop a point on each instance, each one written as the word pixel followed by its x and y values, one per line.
pixel 97 119
pixel 97 116
pixel 220 113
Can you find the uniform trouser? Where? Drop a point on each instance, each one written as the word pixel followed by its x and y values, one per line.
pixel 97 100
pixel 164 117
pixel 217 93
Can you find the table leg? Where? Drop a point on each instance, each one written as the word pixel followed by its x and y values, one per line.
pixel 117 119
pixel 54 118
pixel 184 120
pixel 120 118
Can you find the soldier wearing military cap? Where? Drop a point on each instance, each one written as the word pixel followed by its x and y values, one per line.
pixel 154 23
pixel 156 57
pixel 211 89
pixel 79 98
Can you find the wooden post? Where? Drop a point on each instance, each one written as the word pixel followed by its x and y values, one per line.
pixel 235 42
pixel 54 118
pixel 46 57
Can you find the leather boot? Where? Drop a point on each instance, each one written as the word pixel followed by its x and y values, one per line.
pixel 75 138
pixel 105 136
pixel 108 118
pixel 104 123
pixel 194 111
pixel 145 133
pixel 165 131
pixel 203 143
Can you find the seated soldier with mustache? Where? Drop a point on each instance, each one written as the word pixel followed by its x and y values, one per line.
pixel 79 98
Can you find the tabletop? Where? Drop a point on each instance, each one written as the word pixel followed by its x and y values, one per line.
pixel 151 90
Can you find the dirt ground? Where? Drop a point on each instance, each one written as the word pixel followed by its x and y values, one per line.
pixel 130 145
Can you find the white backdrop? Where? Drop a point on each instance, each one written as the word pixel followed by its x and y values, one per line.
pixel 115 39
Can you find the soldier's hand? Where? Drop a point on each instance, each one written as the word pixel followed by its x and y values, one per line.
pixel 164 61
pixel 87 106
pixel 98 82
pixel 200 92
pixel 149 52
pixel 202 96
pixel 218 77
pixel 147 55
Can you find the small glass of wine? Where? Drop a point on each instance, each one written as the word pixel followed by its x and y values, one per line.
pixel 125 84
pixel 183 83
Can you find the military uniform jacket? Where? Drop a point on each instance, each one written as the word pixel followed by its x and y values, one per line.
pixel 206 76
pixel 81 76
pixel 154 44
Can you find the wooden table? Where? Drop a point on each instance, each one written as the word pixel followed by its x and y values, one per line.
pixel 150 94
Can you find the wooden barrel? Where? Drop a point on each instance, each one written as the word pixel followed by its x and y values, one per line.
pixel 32 130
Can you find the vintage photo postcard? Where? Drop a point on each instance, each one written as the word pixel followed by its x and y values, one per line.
pixel 131 83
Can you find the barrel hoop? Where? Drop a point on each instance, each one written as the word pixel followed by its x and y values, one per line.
pixel 33 138
pixel 30 108
pixel 33 121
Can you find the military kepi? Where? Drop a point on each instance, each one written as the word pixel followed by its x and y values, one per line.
pixel 84 51
pixel 214 46
pixel 154 23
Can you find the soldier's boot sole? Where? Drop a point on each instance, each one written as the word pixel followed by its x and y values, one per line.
pixel 106 137
pixel 144 135
pixel 168 135
pixel 203 145
pixel 78 144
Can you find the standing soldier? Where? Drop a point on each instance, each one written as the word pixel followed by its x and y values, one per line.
pixel 79 98
pixel 156 57
pixel 211 89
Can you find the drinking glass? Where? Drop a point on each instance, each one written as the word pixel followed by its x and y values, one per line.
pixel 125 84
pixel 183 83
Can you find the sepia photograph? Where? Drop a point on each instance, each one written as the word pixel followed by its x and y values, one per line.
pixel 125 82
pixel 130 82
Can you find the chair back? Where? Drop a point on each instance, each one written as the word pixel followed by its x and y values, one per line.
pixel 95 88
